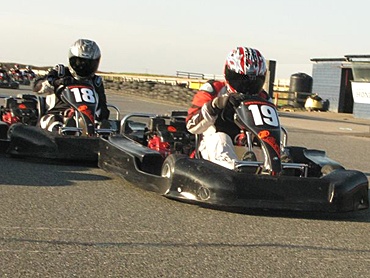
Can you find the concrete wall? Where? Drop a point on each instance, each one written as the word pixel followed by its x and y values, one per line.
pixel 178 94
pixel 361 110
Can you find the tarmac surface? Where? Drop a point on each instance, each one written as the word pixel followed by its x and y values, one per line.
pixel 328 122
pixel 80 221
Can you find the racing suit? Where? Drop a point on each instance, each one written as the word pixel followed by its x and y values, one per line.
pixel 216 144
pixel 61 75
pixel 217 132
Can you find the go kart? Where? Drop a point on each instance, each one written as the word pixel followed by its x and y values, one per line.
pixel 19 77
pixel 156 153
pixel 78 138
pixel 21 109
pixel 6 81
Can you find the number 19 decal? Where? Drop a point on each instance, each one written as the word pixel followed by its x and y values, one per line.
pixel 83 95
pixel 264 114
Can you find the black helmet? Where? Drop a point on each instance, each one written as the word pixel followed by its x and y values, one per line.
pixel 84 57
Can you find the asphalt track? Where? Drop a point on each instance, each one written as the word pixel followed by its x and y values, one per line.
pixel 80 221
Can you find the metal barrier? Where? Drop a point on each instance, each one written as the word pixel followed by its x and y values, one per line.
pixel 189 74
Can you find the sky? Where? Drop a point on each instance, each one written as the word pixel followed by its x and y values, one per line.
pixel 165 36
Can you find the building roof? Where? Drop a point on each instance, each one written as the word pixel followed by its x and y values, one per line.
pixel 328 60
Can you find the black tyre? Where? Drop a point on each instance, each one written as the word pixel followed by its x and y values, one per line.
pixel 3 130
pixel 168 169
pixel 168 166
pixel 14 85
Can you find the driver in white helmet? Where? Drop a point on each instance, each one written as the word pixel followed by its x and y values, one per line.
pixel 245 72
pixel 84 58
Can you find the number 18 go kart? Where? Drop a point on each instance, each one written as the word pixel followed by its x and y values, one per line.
pixel 78 138
pixel 155 152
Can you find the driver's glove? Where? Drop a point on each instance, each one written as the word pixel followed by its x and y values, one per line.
pixel 61 83
pixel 216 105
pixel 235 99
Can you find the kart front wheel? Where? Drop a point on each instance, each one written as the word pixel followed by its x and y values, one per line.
pixel 168 166
pixel 168 169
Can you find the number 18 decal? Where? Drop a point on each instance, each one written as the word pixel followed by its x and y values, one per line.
pixel 83 94
pixel 264 114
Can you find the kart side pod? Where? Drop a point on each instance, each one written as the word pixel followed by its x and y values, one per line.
pixel 203 182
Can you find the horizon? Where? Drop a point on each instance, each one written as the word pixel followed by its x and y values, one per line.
pixel 163 37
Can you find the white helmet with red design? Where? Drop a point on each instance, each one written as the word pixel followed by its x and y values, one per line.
pixel 245 70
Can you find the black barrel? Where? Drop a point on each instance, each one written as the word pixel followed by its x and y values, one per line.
pixel 301 84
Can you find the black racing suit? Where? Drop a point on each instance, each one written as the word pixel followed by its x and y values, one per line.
pixel 60 74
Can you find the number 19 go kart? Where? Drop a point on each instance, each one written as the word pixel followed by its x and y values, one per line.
pixel 155 152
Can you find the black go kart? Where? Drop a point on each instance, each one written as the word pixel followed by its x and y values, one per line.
pixel 6 81
pixel 78 138
pixel 157 153
pixel 20 109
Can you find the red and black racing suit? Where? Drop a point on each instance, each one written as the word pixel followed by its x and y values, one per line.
pixel 200 116
pixel 217 127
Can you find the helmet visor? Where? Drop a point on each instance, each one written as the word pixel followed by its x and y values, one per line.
pixel 84 67
pixel 244 84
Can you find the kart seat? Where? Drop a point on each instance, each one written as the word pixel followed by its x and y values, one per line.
pixel 181 130
pixel 136 134
pixel 24 107
pixel 177 135
pixel 175 131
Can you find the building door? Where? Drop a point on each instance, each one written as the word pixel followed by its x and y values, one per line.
pixel 345 96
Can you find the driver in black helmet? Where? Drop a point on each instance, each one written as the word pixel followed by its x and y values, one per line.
pixel 84 57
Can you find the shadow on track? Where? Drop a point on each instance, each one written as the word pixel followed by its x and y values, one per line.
pixel 20 172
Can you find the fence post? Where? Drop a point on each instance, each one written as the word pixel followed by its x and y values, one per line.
pixel 276 100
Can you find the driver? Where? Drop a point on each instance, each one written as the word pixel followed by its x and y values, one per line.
pixel 212 106
pixel 84 58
